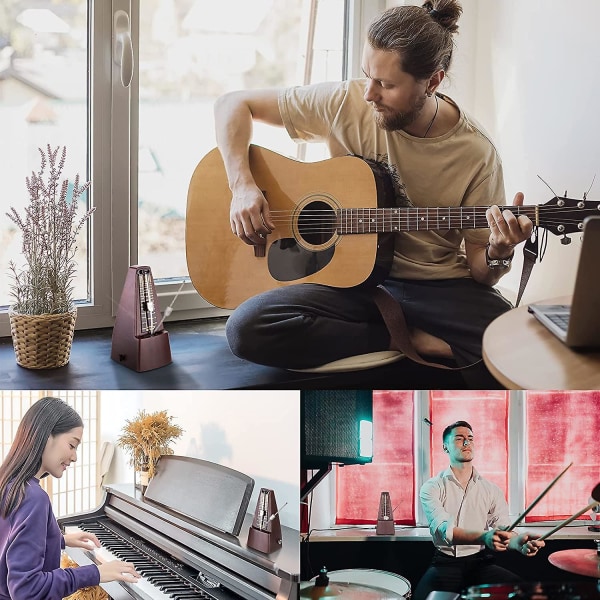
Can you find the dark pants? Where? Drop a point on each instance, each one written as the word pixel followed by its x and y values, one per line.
pixel 449 574
pixel 306 325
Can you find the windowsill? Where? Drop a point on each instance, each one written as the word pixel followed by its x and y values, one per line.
pixel 201 360
pixel 403 533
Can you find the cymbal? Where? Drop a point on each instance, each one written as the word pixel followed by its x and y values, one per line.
pixel 579 560
pixel 315 591
pixel 350 591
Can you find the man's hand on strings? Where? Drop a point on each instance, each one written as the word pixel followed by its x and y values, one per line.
pixel 507 230
pixel 249 215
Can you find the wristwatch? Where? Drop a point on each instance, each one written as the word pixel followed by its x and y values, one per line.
pixel 497 263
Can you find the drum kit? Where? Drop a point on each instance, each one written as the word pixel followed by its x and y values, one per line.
pixel 371 584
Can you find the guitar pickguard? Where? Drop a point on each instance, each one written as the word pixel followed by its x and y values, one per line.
pixel 289 261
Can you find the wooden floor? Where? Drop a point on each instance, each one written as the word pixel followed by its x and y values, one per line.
pixel 202 360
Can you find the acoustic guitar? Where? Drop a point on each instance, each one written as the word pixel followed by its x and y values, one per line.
pixel 335 221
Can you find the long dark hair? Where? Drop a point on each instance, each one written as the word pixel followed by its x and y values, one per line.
pixel 420 35
pixel 47 417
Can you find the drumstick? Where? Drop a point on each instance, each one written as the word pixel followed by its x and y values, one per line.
pixel 572 518
pixel 595 502
pixel 533 504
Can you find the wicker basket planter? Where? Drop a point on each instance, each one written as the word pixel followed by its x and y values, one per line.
pixel 42 341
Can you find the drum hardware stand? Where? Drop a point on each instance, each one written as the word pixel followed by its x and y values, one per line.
pixel 385 517
pixel 595 526
pixel 139 340
pixel 265 531
pixel 314 481
pixel 322 580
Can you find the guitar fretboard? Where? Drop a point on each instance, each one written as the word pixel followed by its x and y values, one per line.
pixel 382 220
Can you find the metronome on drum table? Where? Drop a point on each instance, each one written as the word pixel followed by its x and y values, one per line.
pixel 385 516
pixel 265 531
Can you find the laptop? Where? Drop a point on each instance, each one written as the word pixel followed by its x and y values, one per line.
pixel 578 324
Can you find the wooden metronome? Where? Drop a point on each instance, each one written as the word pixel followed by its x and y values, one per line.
pixel 139 340
pixel 265 531
pixel 385 516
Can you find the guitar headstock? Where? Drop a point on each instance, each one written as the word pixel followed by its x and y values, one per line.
pixel 562 215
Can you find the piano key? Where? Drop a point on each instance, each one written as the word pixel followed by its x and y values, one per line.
pixel 144 589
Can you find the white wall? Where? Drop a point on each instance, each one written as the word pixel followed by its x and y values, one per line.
pixel 257 433
pixel 536 65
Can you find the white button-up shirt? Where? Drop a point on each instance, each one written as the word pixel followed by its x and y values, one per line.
pixel 447 505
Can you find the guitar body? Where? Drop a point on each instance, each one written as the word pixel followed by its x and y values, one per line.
pixel 226 271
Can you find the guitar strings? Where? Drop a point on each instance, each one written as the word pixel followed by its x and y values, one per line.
pixel 323 220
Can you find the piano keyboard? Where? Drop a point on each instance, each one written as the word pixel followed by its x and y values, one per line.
pixel 163 578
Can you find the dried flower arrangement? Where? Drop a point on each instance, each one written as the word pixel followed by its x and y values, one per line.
pixel 49 227
pixel 147 437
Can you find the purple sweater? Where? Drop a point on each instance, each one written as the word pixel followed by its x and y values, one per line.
pixel 30 547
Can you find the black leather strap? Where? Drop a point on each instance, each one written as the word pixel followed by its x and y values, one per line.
pixel 530 255
pixel 394 319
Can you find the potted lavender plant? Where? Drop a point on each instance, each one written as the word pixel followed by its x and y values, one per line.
pixel 42 316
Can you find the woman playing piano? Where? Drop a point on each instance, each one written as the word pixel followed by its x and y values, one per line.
pixel 30 539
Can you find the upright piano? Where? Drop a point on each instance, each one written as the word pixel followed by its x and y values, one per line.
pixel 187 535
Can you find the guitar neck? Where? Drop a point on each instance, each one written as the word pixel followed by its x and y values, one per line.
pixel 382 220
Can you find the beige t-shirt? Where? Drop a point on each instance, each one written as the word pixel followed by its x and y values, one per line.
pixel 460 168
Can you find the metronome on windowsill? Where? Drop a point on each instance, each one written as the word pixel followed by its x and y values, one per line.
pixel 139 340
pixel 385 516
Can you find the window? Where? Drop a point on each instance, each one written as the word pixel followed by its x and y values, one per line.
pixel 43 100
pixel 536 433
pixel 359 487
pixel 562 427
pixel 78 490
pixel 190 53
pixel 60 83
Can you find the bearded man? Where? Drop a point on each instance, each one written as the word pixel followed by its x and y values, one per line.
pixel 436 155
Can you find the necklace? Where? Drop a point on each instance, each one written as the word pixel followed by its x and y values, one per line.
pixel 437 105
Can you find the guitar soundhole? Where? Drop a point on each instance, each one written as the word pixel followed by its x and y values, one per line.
pixel 317 223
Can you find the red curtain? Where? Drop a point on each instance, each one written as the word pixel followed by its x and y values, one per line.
pixel 487 413
pixel 359 487
pixel 562 426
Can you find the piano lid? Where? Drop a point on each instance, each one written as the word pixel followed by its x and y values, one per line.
pixel 201 491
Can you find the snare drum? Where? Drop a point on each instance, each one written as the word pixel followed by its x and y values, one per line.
pixel 577 590
pixel 395 586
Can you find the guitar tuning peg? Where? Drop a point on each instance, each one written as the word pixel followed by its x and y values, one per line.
pixel 565 240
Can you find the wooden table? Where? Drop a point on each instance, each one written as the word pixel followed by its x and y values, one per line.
pixel 523 355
